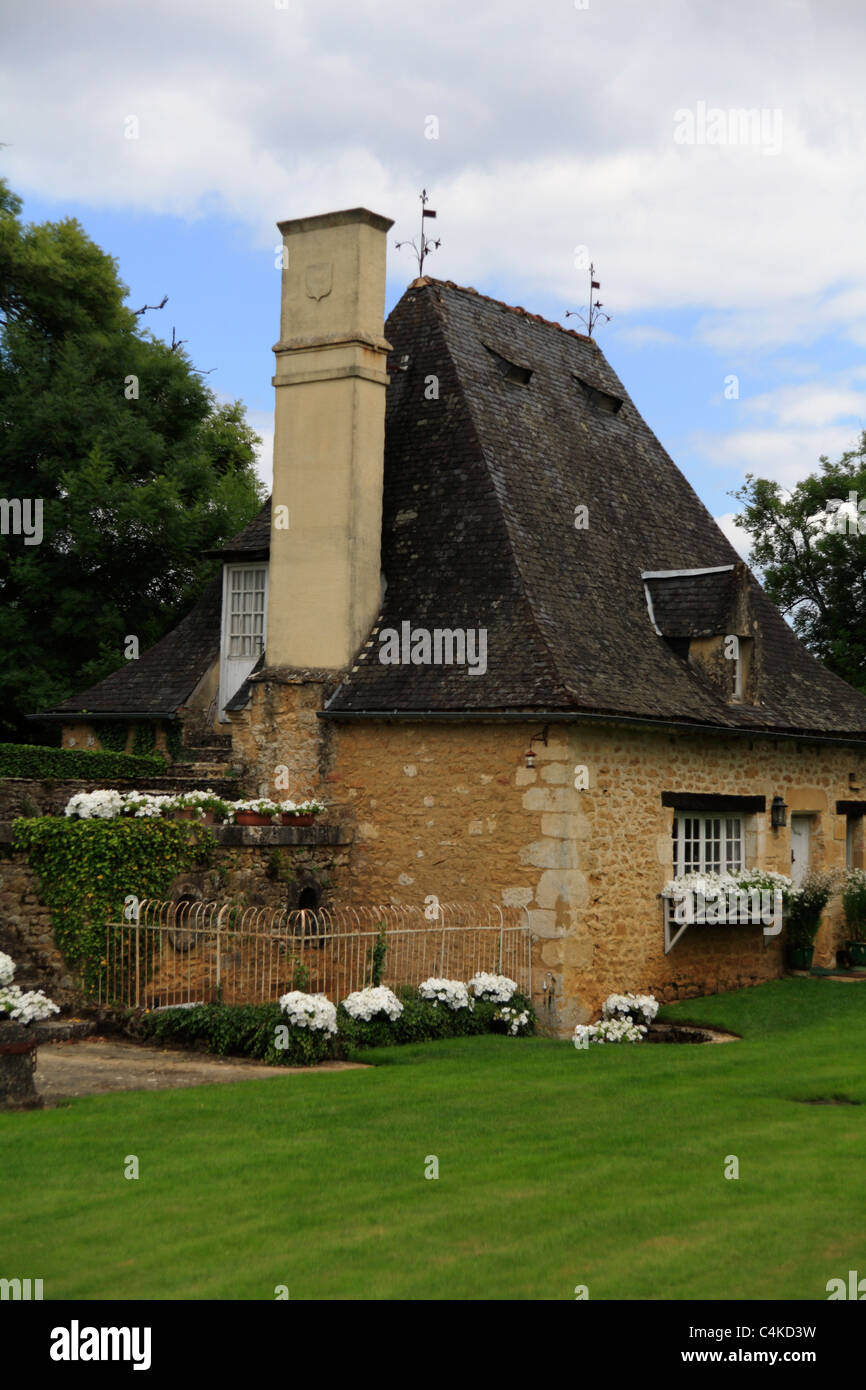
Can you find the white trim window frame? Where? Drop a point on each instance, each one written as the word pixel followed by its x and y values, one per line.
pixel 243 627
pixel 708 843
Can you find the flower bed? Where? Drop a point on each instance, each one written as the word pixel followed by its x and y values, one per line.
pixel 303 1029
pixel 624 1018
pixel 200 805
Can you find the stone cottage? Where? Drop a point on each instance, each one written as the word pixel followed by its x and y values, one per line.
pixel 485 617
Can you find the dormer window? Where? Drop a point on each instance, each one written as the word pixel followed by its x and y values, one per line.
pixel 703 617
pixel 604 401
pixel 510 370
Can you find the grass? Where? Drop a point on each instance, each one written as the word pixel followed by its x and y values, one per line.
pixel 557 1167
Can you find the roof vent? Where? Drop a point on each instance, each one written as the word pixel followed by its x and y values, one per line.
pixel 600 400
pixel 510 370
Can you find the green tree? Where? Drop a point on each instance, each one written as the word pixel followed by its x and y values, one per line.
pixel 138 470
pixel 811 546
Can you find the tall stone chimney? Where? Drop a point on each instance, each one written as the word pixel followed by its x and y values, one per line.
pixel 329 440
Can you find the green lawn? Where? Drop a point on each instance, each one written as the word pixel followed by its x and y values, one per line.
pixel 557 1167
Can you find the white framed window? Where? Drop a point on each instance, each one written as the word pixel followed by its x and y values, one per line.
pixel 707 843
pixel 245 616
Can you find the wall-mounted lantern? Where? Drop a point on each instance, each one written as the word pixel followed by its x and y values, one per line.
pixel 778 812
pixel 530 756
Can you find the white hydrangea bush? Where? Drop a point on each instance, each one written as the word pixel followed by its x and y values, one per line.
pixel 516 1020
pixel 368 1003
pixel 313 1011
pixel 21 1005
pixel 610 1030
pixel 498 989
pixel 453 993
pixel 624 1018
pixel 103 804
pixel 640 1008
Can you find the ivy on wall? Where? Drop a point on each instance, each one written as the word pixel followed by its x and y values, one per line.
pixel 112 737
pixel 87 869
pixel 143 740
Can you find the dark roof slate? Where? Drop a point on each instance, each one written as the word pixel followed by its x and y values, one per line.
pixel 253 542
pixel 166 674
pixel 481 487
pixel 694 605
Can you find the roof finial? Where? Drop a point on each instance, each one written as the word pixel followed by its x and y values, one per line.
pixel 595 306
pixel 425 245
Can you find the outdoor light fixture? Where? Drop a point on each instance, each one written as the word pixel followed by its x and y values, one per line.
pixel 529 756
pixel 778 812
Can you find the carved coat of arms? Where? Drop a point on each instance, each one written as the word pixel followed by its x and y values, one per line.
pixel 318 279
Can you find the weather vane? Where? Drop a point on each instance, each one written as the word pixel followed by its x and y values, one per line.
pixel 425 245
pixel 595 306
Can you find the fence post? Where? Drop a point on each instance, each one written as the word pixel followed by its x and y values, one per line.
pixel 137 960
pixel 223 909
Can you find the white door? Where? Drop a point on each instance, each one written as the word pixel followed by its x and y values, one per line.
pixel 245 608
pixel 799 848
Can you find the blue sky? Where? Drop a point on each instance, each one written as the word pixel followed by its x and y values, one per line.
pixel 709 158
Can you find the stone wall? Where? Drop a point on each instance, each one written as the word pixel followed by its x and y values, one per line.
pixel 267 867
pixel 451 810
pixel 26 934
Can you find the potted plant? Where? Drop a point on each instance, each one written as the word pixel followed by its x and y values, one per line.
pixel 803 909
pixel 18 1009
pixel 260 811
pixel 202 806
pixel 300 813
pixel 854 906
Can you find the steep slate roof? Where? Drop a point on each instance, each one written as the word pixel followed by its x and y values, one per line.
pixel 164 676
pixel 253 542
pixel 694 605
pixel 481 487
pixel 480 490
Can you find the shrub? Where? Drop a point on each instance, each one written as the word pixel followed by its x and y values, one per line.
pixel 46 764
pixel 371 1002
pixel 854 903
pixel 498 988
pixel 258 1031
pixel 805 906
pixel 17 1004
pixel 451 992
pixel 267 1032
pixel 624 1018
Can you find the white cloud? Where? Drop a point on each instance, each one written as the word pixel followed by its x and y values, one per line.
pixel 740 539
pixel 556 129
pixel 786 455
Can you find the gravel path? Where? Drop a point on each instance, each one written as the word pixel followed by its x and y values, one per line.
pixel 100 1065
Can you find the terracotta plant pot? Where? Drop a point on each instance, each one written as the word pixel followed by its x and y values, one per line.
pixel 289 818
pixel 183 813
pixel 252 818
pixel 17 1057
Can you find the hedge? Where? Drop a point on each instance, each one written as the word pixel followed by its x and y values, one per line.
pixel 41 763
pixel 250 1030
